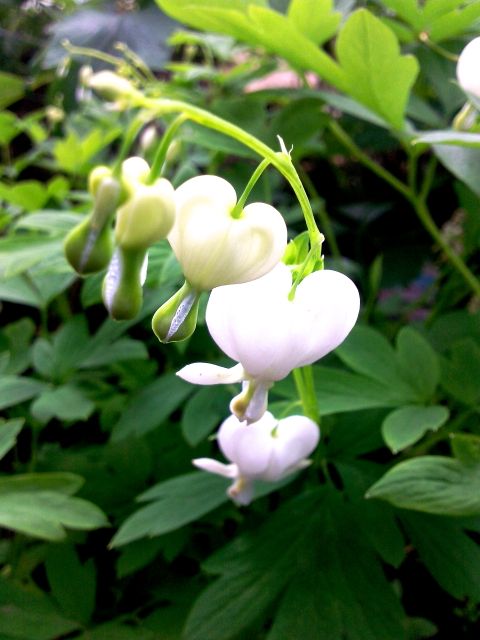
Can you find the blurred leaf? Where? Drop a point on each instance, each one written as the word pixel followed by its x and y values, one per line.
pixel 369 55
pixel 58 481
pixel 8 126
pixel 9 431
pixel 15 389
pixel 458 138
pixel 27 194
pixel 178 501
pixel 66 402
pixel 45 514
pixel 407 425
pixel 419 363
pixel 463 162
pixel 12 88
pixel 316 20
pixel 203 412
pixel 466 448
pixel 444 547
pixel 432 484
pixel 461 372
pixel 27 614
pixel 151 406
pixel 17 254
pixel 19 335
pixel 145 32
pixel 72 583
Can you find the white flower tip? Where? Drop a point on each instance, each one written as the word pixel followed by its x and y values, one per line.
pixel 213 466
pixel 467 68
pixel 209 374
pixel 241 491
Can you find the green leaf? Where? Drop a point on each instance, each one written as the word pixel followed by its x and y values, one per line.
pixel 72 583
pixel 12 88
pixel 339 391
pixel 9 431
pixel 17 254
pixel 15 389
pixel 466 448
pixel 458 138
pixel 255 23
pixel 368 352
pixel 407 425
pixel 67 403
pixel 254 570
pixel 28 194
pixel 419 363
pixel 203 412
pixel 58 481
pixel 178 501
pixel 432 484
pixel 315 19
pixel 375 73
pixel 454 23
pixel 151 406
pixel 45 514
pixel 9 127
pixel 461 373
pixel 19 335
pixel 463 162
pixel 443 546
pixel 27 614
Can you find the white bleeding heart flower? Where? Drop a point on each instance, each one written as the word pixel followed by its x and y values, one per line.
pixel 267 450
pixel 216 248
pixel 468 68
pixel 257 325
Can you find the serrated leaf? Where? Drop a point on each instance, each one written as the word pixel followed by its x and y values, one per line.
pixel 376 74
pixel 407 425
pixel 178 501
pixel 432 484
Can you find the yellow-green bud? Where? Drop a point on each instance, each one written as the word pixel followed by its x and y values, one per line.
pixel 176 319
pixel 110 85
pixel 147 216
pixel 122 286
pixel 96 177
pixel 87 249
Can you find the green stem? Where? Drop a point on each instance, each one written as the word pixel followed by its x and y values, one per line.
pixel 416 200
pixel 162 150
pixel 322 214
pixel 238 208
pixel 127 142
pixel 306 391
pixel 280 160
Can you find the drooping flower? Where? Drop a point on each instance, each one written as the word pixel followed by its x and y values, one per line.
pixel 217 248
pixel 266 450
pixel 468 66
pixel 258 326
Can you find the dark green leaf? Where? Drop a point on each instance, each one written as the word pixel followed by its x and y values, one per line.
pixel 9 431
pixel 15 389
pixel 405 426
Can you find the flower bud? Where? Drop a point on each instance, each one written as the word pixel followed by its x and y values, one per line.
pixel 122 286
pixel 96 177
pixel 176 319
pixel 147 216
pixel 110 85
pixel 213 247
pixel 468 68
pixel 135 171
pixel 88 247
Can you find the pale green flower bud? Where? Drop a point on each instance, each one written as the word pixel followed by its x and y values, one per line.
pixel 111 86
pixel 147 216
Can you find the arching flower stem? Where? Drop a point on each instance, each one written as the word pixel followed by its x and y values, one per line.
pixel 238 208
pixel 162 150
pixel 281 161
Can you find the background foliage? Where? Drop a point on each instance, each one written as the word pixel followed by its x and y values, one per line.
pixel 107 530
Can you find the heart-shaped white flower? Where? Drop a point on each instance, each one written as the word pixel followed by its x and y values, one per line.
pixel 266 450
pixel 215 248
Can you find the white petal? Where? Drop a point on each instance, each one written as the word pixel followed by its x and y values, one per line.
pixel 209 374
pixel 241 491
pixel 219 468
pixel 295 439
pixel 468 68
pixel 143 271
